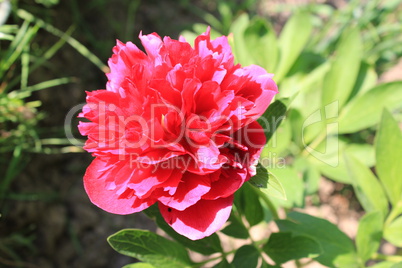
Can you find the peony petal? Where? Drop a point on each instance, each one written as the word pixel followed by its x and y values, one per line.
pixel 253 137
pixel 230 180
pixel 152 44
pixel 124 55
pixel 188 192
pixel 200 220
pixel 108 199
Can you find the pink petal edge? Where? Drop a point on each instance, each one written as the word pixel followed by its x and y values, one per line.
pixel 200 220
pixel 107 199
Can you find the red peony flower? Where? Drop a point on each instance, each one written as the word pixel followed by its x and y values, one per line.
pixel 177 126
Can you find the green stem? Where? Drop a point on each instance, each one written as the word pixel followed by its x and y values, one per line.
pixel 223 256
pixel 382 257
pixel 395 212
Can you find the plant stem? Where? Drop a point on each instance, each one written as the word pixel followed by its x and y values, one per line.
pixel 382 257
pixel 395 212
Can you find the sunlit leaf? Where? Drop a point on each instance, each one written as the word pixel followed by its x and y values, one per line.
pixel 389 155
pixel 284 246
pixel 365 110
pixel 369 234
pixel 367 187
pixel 246 256
pixel 339 81
pixel 393 232
pixel 268 183
pixel 338 249
pixel 292 40
pixel 150 247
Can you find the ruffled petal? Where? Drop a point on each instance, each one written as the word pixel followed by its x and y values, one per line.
pixel 107 198
pixel 200 220
pixel 230 180
pixel 188 192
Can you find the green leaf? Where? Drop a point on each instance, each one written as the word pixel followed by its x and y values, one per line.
pixel 365 111
pixel 284 246
pixel 389 154
pixel 366 79
pixel 393 232
pixel 272 118
pixel 367 187
pixel 246 256
pixel 268 183
pixel 292 40
pixel 311 175
pixel 261 44
pixel 293 187
pixel 297 85
pixel 333 165
pixel 238 28
pixel 249 205
pixel 339 81
pixel 139 265
pixel 260 180
pixel 150 247
pixel 369 234
pixel 277 145
pixel 235 228
pixel 338 249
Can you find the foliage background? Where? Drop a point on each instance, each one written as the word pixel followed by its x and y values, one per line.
pixel 47 219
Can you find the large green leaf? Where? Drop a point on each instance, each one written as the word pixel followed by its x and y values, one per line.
pixel 338 249
pixel 332 164
pixel 389 155
pixel 238 28
pixel 272 118
pixel 297 85
pixel 150 247
pixel 365 111
pixel 295 35
pixel 311 174
pixel 367 187
pixel 366 80
pixel 249 205
pixel 339 81
pixel 268 183
pixel 261 44
pixel 246 256
pixel 284 246
pixel 293 186
pixel 277 145
pixel 393 232
pixel 369 234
